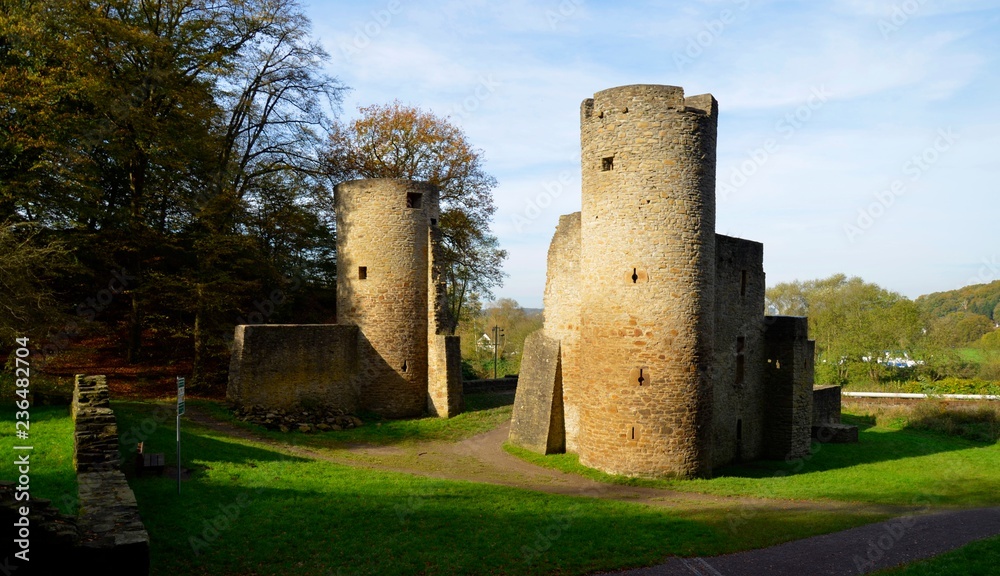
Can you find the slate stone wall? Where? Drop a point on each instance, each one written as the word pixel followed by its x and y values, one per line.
pixel 112 534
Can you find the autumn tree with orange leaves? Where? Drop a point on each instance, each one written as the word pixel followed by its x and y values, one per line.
pixel 398 141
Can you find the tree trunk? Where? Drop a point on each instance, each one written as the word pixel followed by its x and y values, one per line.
pixel 199 340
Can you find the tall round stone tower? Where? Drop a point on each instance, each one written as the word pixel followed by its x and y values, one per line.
pixel 382 287
pixel 647 274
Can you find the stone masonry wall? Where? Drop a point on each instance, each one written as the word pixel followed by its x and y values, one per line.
pixel 647 281
pixel 291 366
pixel 382 287
pixel 562 316
pixel 537 421
pixel 444 352
pixel 737 412
pixel 112 534
pixel 788 385
pixel 826 405
pixel 95 436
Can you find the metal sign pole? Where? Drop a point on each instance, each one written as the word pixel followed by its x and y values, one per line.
pixel 180 410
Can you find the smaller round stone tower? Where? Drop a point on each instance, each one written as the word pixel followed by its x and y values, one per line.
pixel 647 274
pixel 382 287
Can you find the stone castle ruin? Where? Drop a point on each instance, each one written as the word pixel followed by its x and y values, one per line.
pixel 390 352
pixel 655 358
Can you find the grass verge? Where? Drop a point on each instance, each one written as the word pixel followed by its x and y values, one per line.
pixel 977 559
pixel 892 464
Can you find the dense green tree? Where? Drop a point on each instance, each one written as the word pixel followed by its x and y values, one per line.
pixel 183 135
pixel 28 264
pixel 981 299
pixel 990 340
pixel 958 329
pixel 855 323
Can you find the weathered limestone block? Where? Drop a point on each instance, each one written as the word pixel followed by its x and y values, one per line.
pixel 827 427
pixel 835 433
pixel 562 315
pixel 537 420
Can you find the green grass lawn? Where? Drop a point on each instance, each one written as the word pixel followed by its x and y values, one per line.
pixel 249 508
pixel 977 559
pixel 322 518
pixel 483 412
pixel 51 473
pixel 891 464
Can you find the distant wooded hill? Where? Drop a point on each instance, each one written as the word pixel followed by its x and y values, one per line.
pixel 982 299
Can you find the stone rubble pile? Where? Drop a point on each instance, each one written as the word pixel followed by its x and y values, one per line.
pixel 317 420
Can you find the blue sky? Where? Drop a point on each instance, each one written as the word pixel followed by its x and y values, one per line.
pixel 854 136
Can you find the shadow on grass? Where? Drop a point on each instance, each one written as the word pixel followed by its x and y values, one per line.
pixel 483 412
pixel 254 510
pixel 154 424
pixel 875 445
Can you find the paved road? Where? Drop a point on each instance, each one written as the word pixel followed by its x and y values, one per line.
pixel 856 551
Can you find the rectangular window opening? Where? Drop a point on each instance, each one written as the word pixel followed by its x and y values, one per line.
pixel 607 163
pixel 741 343
pixel 362 272
pixel 414 199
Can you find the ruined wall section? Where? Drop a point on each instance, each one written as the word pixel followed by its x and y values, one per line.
pixel 382 287
pixel 647 281
pixel 788 382
pixel 738 398
pixel 289 366
pixel 444 353
pixel 562 316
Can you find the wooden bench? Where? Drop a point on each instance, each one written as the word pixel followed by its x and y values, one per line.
pixel 149 462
